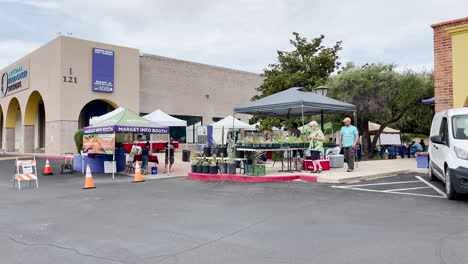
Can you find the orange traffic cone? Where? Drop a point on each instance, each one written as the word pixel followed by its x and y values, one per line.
pixel 88 183
pixel 47 169
pixel 138 177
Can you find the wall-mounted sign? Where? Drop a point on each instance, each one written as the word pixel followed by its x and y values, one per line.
pixel 103 70
pixel 15 78
pixel 70 78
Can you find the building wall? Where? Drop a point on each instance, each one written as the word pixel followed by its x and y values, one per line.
pixel 443 67
pixel 460 65
pixel 63 101
pixel 77 55
pixel 186 88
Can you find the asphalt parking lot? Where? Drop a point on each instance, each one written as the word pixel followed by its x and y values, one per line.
pixel 183 221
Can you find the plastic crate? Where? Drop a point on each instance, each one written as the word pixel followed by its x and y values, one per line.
pixel 259 170
pixel 249 169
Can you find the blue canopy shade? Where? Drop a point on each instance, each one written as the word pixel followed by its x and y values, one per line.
pixel 428 101
pixel 294 102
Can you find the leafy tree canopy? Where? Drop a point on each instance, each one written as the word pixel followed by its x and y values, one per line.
pixel 308 65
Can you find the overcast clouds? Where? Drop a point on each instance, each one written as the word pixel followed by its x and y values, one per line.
pixel 242 34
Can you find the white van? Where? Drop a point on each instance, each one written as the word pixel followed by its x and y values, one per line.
pixel 448 150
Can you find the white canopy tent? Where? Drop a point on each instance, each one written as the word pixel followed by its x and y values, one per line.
pixel 159 117
pixel 389 136
pixel 228 123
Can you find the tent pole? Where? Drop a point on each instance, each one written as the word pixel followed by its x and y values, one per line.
pixel 302 115
pixel 113 159
pixel 233 125
pixel 321 120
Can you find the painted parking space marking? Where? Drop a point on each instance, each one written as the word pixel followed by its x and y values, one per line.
pixel 432 186
pixel 410 186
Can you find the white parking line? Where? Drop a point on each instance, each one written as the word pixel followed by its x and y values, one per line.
pixel 372 184
pixel 396 191
pixel 407 189
pixel 432 186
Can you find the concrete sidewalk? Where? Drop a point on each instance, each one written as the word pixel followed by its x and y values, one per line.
pixel 367 170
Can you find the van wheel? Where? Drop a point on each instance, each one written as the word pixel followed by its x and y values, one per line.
pixel 449 189
pixel 432 176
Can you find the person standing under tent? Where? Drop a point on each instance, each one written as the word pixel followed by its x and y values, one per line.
pixel 349 136
pixel 145 152
pixel 169 159
pixel 134 151
pixel 316 145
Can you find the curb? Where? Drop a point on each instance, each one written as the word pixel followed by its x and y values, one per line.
pixel 367 177
pixel 243 178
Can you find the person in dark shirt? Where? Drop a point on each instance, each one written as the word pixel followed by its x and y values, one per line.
pixel 169 159
pixel 145 151
pixel 423 145
pixel 295 132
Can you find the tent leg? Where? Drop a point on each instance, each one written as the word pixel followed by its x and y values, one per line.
pixel 321 121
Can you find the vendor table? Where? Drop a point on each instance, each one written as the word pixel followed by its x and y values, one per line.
pixel 152 158
pixel 155 146
pixel 288 150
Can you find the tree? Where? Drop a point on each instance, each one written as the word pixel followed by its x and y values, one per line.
pixel 381 95
pixel 309 65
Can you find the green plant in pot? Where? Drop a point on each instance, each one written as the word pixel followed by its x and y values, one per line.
pixel 205 165
pixel 232 164
pixel 195 163
pixel 214 165
pixel 222 165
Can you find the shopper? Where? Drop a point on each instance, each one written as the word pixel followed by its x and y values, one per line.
pixel 418 146
pixel 423 145
pixel 349 137
pixel 169 159
pixel 295 132
pixel 145 152
pixel 316 145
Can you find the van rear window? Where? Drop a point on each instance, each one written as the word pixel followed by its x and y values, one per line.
pixel 460 126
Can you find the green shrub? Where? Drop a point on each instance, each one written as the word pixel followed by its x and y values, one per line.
pixel 78 137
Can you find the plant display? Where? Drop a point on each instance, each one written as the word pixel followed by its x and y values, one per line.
pixel 231 151
pixel 213 161
pixel 273 142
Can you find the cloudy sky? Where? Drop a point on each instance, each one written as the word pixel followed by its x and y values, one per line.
pixel 240 34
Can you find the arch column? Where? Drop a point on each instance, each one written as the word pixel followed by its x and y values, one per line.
pixel 30 123
pixel 10 125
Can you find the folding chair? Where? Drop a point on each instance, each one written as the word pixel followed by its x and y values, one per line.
pixel 26 170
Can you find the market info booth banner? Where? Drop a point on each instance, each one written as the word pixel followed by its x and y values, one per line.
pixel 99 143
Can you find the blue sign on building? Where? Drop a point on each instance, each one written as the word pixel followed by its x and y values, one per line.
pixel 103 70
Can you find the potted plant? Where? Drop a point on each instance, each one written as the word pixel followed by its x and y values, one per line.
pixel 214 165
pixel 205 165
pixel 194 165
pixel 232 164
pixel 222 165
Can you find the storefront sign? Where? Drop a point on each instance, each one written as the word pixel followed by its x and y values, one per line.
pixel 103 70
pixel 99 143
pixel 15 79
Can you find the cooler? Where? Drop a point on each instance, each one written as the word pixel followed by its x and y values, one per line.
pixel 308 166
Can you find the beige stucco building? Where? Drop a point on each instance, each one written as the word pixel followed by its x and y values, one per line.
pixel 48 95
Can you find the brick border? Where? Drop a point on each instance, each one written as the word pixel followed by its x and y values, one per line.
pixel 244 178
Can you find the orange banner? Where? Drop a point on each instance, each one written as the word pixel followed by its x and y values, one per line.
pixel 99 143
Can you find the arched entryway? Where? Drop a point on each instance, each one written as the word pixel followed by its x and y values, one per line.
pixel 1 127
pixel 13 124
pixel 34 124
pixel 94 108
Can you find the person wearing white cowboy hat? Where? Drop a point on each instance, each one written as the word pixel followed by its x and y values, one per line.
pixel 349 137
